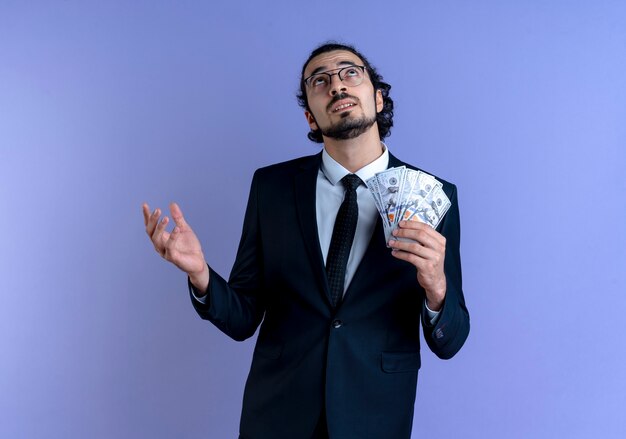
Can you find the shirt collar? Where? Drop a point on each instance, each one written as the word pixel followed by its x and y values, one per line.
pixel 334 172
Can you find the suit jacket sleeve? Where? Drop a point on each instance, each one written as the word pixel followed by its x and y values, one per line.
pixel 237 307
pixel 452 328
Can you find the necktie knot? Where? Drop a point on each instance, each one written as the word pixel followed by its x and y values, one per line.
pixel 351 182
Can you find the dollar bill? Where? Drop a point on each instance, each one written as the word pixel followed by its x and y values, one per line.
pixel 405 194
pixel 422 189
pixel 432 208
pixel 390 184
pixel 410 178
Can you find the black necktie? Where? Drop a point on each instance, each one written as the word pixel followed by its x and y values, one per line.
pixel 341 241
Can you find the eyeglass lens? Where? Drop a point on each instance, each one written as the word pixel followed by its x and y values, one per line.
pixel 350 76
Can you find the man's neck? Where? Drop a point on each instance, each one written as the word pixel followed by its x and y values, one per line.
pixel 354 154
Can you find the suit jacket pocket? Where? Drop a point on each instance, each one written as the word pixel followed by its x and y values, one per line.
pixel 393 362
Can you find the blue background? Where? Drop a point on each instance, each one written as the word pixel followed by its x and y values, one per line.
pixel 105 105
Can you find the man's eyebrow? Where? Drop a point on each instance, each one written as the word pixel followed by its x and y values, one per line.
pixel 340 63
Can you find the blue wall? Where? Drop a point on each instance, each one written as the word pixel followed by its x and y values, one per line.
pixel 106 105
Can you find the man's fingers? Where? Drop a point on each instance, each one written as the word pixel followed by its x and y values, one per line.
pixel 146 213
pixel 152 222
pixel 421 237
pixel 173 236
pixel 417 261
pixel 414 248
pixel 405 256
pixel 170 244
pixel 413 224
pixel 160 236
pixel 160 227
pixel 421 232
pixel 173 246
pixel 177 215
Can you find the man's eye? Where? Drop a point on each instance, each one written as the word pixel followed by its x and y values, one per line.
pixel 319 81
pixel 351 72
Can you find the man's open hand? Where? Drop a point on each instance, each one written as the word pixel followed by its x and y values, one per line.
pixel 180 247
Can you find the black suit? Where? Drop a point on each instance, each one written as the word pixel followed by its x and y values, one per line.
pixel 360 361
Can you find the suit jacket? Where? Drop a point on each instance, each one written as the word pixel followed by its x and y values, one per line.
pixel 360 361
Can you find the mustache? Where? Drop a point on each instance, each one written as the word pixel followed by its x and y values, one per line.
pixel 338 97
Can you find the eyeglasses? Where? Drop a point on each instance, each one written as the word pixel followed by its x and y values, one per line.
pixel 350 76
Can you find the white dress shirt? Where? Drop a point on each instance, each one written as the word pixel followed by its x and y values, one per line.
pixel 328 198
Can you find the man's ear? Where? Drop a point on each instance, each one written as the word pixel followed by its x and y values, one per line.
pixel 311 120
pixel 379 101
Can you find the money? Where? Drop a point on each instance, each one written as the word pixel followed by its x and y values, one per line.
pixel 432 208
pixel 389 185
pixel 405 194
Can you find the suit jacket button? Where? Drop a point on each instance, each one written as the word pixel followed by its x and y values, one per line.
pixel 337 323
pixel 439 333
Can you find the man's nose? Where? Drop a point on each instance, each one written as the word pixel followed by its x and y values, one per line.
pixel 336 85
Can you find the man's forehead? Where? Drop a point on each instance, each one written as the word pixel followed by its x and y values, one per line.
pixel 331 60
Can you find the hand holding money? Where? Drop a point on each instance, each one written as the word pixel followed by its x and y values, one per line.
pixel 425 248
pixel 180 247
pixel 412 204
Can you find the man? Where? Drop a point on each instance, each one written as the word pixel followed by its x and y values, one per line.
pixel 337 353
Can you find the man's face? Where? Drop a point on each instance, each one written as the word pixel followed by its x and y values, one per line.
pixel 341 111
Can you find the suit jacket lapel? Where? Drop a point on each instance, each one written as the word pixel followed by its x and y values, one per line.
pixel 305 183
pixel 394 162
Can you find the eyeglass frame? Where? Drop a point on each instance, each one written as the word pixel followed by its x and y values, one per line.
pixel 330 75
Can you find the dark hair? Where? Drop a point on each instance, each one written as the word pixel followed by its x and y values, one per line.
pixel 384 118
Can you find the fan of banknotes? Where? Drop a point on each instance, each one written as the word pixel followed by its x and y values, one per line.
pixel 405 194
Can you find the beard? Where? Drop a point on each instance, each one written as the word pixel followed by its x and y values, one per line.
pixel 348 128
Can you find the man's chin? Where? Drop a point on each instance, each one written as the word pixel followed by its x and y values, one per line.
pixel 348 128
pixel 345 114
